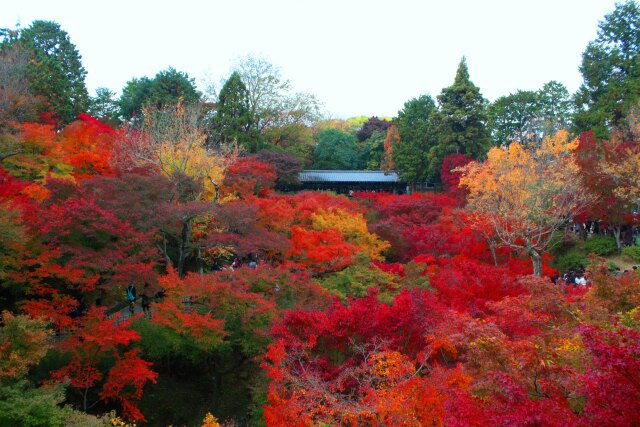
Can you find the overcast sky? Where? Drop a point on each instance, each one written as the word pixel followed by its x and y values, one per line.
pixel 358 57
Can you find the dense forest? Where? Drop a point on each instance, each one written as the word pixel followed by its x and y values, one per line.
pixel 157 269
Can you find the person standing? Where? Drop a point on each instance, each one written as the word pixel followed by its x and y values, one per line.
pixel 131 298
pixel 145 300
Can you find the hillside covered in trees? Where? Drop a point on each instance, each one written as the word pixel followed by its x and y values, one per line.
pixel 511 297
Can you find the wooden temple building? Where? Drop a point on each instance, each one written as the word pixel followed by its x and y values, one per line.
pixel 345 181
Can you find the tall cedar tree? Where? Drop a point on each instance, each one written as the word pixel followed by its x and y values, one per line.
pixel 460 122
pixel 610 69
pixel 233 119
pixel 55 69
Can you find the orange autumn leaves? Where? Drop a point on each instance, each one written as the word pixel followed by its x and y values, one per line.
pixel 325 231
pixel 524 194
pixel 82 149
pixel 336 237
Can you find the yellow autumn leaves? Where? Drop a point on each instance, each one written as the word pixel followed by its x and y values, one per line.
pixel 354 229
pixel 173 140
pixel 525 193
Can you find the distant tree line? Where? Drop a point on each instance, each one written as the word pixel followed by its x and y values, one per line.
pixel 257 110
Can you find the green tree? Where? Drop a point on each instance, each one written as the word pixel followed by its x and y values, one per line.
pixel 511 118
pixel 460 121
pixel 167 88
pixel 296 140
pixel 417 137
pixel 335 150
pixel 134 96
pixel 611 71
pixel 55 69
pixel 233 120
pixel 528 116
pixel 170 87
pixel 372 150
pixel 357 121
pixel 104 105
pixel 556 107
pixel 24 342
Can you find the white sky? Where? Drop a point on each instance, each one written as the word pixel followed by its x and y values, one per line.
pixel 360 57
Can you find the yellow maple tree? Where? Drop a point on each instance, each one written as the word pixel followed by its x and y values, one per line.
pixel 353 226
pixel 526 193
pixel 173 140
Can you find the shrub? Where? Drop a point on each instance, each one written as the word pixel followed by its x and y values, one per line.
pixel 571 261
pixel 558 245
pixel 632 252
pixel 600 245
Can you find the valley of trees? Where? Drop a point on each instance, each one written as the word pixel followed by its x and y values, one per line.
pixel 258 306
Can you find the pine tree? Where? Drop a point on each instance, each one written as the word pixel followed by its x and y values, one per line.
pixel 460 121
pixel 233 119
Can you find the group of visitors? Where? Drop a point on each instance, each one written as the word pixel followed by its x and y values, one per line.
pixel 235 264
pixel 619 272
pixel 576 278
pixel 627 234
pixel 145 298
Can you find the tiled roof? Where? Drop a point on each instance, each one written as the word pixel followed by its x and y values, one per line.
pixel 347 176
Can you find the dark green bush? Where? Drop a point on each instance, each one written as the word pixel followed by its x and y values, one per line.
pixel 559 244
pixel 600 245
pixel 570 261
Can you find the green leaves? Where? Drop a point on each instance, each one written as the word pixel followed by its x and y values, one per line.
pixel 428 134
pixel 610 69
pixel 168 88
pixel 233 120
pixel 527 116
pixel 55 69
pixel 460 120
pixel 417 137
pixel 23 405
pixel 335 150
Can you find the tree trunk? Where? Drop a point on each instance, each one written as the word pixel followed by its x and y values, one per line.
pixel 616 233
pixel 185 243
pixel 536 260
pixel 200 261
pixel 492 248
pixel 163 249
pixel 84 399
